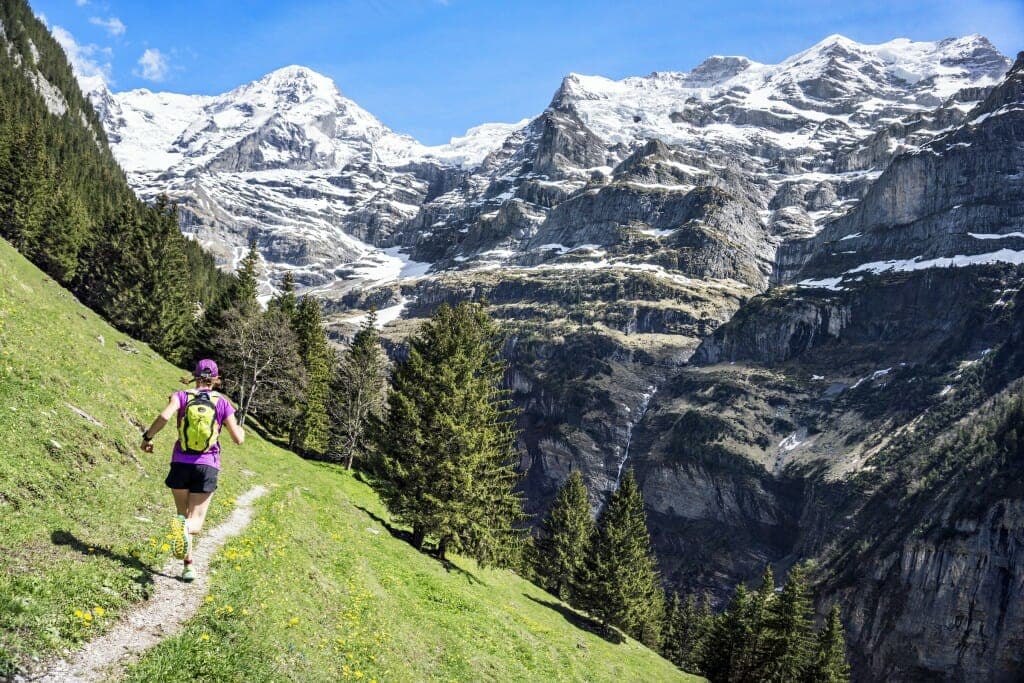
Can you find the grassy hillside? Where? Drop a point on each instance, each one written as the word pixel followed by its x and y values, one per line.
pixel 318 588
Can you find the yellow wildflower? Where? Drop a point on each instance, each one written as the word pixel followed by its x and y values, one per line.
pixel 205 636
pixel 79 614
pixel 165 547
pixel 238 567
pixel 293 621
pixel 208 599
pixel 98 611
pixel 87 616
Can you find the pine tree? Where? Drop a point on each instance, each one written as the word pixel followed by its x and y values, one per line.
pixel 311 431
pixel 246 284
pixel 286 301
pixel 672 645
pixel 726 656
pixel 761 605
pixel 565 534
pixel 447 452
pixel 619 581
pixel 172 313
pixel 789 642
pixel 830 665
pixel 358 394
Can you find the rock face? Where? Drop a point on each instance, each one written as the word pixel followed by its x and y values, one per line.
pixel 768 289
pixel 920 543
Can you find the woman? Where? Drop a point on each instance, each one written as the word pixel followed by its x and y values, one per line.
pixel 195 464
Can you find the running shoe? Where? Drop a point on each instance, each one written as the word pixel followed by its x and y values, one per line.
pixel 188 574
pixel 179 537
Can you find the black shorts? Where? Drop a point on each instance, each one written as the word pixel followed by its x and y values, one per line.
pixel 195 478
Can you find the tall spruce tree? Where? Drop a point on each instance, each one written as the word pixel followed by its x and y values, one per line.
pixel 789 645
pixel 675 626
pixel 564 540
pixel 727 654
pixel 310 434
pixel 358 395
pixel 246 285
pixel 619 583
pixel 829 664
pixel 447 452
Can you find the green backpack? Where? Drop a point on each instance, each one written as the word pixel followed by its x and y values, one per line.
pixel 198 429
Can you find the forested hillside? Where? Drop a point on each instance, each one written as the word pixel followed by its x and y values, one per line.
pixel 65 203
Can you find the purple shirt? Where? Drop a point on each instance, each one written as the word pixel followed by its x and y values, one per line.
pixel 212 456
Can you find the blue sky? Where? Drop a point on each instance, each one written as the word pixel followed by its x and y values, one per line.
pixel 433 68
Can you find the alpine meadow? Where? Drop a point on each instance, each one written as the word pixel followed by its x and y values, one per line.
pixel 713 374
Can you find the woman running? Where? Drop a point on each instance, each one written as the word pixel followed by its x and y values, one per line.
pixel 195 464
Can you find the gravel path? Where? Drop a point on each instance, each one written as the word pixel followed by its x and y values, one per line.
pixel 163 615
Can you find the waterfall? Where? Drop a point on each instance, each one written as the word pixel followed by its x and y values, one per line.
pixel 640 412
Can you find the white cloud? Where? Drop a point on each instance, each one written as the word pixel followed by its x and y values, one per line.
pixel 154 65
pixel 81 3
pixel 113 25
pixel 85 60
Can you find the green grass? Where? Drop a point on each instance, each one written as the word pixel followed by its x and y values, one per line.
pixel 317 589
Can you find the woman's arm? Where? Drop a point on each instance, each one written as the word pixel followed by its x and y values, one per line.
pixel 162 419
pixel 235 429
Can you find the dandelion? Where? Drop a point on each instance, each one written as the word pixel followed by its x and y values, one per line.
pixel 238 567
pixel 165 547
pixel 79 614
pixel 229 609
pixel 99 611
pixel 208 599
pixel 359 674
pixel 205 636
pixel 293 621
pixel 87 616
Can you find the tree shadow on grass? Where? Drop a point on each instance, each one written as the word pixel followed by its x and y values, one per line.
pixel 146 574
pixel 405 536
pixel 581 621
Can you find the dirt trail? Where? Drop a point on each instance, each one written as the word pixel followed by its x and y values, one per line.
pixel 163 615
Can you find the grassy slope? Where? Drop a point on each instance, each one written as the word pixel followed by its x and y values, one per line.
pixel 317 589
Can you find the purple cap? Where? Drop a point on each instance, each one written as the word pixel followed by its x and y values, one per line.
pixel 206 368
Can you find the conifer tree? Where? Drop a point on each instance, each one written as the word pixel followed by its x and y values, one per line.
pixel 726 656
pixel 830 665
pixel 172 310
pixel 619 582
pixel 311 431
pixel 447 452
pixel 286 301
pixel 565 533
pixel 675 626
pixel 358 394
pixel 246 285
pixel 761 605
pixel 789 642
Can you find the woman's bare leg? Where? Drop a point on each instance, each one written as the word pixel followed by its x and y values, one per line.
pixel 181 501
pixel 197 506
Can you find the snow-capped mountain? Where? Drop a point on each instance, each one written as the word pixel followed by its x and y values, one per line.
pixel 320 183
pixel 286 160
